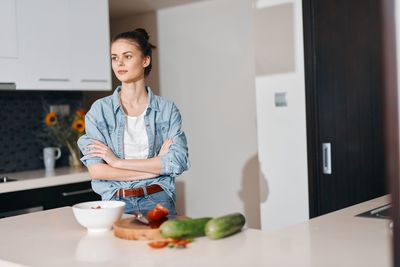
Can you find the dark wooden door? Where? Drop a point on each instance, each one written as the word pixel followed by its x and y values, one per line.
pixel 343 65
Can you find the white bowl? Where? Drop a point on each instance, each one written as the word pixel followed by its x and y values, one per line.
pixel 98 216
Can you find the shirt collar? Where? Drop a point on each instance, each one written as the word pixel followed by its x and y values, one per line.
pixel 151 101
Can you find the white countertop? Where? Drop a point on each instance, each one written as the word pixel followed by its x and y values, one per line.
pixel 41 178
pixel 54 238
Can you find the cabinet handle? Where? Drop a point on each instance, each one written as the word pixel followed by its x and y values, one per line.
pixel 93 81
pixel 326 158
pixel 8 86
pixel 78 192
pixel 53 80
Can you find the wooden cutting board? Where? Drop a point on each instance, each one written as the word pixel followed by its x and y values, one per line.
pixel 131 229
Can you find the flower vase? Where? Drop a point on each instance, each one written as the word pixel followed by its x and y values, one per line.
pixel 74 157
pixel 74 162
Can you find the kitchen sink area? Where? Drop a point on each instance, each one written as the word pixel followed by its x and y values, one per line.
pixel 6 179
pixel 382 212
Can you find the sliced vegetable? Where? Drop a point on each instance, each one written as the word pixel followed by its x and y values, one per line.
pixel 224 226
pixel 158 244
pixel 157 213
pixel 182 243
pixel 163 209
pixel 156 224
pixel 171 243
pixel 187 228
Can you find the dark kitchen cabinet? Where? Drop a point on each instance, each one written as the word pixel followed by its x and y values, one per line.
pixel 18 202
pixel 344 95
pixel 68 195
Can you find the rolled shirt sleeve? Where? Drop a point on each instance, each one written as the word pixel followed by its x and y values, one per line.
pixel 176 161
pixel 91 132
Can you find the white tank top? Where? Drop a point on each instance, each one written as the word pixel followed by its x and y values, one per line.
pixel 136 144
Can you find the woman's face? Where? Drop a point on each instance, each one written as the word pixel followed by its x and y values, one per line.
pixel 128 62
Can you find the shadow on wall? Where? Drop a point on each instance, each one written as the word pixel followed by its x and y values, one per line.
pixel 180 198
pixel 254 191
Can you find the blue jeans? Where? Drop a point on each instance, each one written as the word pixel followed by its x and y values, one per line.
pixel 148 202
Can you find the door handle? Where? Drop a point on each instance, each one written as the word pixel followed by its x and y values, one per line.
pixel 93 81
pixel 53 80
pixel 326 158
pixel 7 86
pixel 78 192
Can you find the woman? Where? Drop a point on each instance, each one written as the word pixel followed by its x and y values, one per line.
pixel 134 146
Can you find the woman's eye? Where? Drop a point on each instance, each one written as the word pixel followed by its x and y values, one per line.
pixel 113 58
pixel 128 56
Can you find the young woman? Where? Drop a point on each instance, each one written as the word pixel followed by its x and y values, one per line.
pixel 134 146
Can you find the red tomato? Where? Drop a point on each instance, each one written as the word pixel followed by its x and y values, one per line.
pixel 182 243
pixel 158 244
pixel 156 224
pixel 155 215
pixel 163 209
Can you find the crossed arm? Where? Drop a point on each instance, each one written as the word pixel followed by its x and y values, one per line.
pixel 123 169
pixel 102 164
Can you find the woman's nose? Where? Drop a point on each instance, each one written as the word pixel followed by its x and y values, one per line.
pixel 120 62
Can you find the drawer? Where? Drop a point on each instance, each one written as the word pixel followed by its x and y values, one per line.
pixel 22 200
pixel 68 195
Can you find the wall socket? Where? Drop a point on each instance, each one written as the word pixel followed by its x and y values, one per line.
pixel 281 99
pixel 61 110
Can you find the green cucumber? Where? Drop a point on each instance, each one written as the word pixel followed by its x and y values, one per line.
pixel 224 226
pixel 183 228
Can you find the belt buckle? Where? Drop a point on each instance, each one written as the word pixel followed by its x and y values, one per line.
pixel 123 193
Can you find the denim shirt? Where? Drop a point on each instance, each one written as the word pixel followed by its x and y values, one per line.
pixel 105 122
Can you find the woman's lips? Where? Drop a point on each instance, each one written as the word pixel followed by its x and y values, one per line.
pixel 122 72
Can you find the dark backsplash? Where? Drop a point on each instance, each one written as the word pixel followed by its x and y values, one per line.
pixel 21 127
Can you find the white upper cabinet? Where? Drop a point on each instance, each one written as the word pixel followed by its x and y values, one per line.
pixel 8 44
pixel 44 45
pixel 91 49
pixel 63 45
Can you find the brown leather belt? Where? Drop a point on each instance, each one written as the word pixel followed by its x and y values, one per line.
pixel 138 192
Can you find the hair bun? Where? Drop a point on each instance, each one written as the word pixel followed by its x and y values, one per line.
pixel 143 32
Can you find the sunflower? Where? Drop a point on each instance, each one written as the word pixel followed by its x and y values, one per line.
pixel 80 113
pixel 79 125
pixel 51 119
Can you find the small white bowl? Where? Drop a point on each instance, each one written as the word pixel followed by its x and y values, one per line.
pixel 98 216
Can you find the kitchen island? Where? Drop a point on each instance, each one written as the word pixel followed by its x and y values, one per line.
pixel 40 178
pixel 54 238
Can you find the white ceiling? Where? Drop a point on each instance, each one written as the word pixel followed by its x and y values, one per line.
pixel 122 8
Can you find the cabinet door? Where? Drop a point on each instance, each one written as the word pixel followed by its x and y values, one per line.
pixel 70 194
pixel 344 103
pixel 11 203
pixel 44 44
pixel 8 44
pixel 89 26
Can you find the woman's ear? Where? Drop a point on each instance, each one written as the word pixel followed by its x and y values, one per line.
pixel 146 61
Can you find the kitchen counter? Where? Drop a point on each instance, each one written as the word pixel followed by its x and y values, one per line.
pixel 40 178
pixel 54 238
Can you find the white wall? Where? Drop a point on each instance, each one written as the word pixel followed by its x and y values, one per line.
pixel 207 67
pixel 282 140
pixel 274 39
pixel 397 23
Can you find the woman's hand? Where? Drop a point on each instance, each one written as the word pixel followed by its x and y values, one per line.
pixel 98 149
pixel 165 146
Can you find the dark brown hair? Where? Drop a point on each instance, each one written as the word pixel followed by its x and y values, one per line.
pixel 141 38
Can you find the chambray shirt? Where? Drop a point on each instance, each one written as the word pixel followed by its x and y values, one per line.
pixel 105 121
